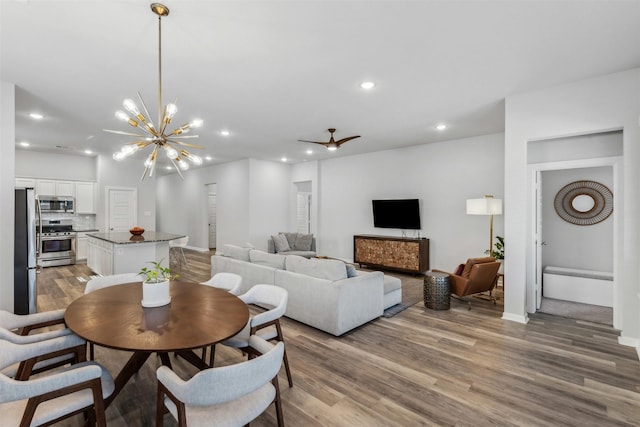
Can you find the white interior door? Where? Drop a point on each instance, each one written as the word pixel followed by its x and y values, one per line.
pixel 212 220
pixel 538 239
pixel 303 213
pixel 122 208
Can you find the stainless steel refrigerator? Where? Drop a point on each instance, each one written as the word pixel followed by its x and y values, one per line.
pixel 24 272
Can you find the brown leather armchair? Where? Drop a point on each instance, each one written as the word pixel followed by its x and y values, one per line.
pixel 477 275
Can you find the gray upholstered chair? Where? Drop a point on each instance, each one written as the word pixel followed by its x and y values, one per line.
pixel 231 395
pixel 104 282
pixel 42 401
pixel 266 324
pixel 230 282
pixel 18 328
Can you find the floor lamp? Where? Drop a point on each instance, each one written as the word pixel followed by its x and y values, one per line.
pixel 485 206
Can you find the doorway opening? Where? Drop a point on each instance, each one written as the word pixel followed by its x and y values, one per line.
pixel 211 214
pixel 573 269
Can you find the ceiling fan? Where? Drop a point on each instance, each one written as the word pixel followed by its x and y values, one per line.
pixel 332 144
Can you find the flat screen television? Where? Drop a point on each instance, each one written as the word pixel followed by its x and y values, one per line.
pixel 396 213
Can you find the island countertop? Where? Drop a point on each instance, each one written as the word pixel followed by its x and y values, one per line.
pixel 124 237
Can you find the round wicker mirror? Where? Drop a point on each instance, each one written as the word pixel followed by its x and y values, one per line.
pixel 584 202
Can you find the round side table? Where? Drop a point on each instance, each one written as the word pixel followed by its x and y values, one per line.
pixel 437 294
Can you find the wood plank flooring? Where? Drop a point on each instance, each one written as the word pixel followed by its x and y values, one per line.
pixel 418 368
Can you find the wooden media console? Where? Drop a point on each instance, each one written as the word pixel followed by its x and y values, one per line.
pixel 405 254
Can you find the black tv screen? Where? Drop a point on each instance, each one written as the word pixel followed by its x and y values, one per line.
pixel 396 213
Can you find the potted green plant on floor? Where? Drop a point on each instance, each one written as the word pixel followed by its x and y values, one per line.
pixel 156 284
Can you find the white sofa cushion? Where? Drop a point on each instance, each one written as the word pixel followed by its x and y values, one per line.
pixel 265 258
pixel 236 252
pixel 329 269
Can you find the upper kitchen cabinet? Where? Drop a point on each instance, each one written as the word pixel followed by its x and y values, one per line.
pixel 85 197
pixel 50 187
pixel 25 183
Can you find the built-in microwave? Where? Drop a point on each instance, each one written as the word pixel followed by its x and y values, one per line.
pixel 64 204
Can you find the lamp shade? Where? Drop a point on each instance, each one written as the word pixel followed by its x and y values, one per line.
pixel 484 206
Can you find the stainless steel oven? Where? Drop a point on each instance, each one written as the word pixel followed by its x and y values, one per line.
pixel 56 243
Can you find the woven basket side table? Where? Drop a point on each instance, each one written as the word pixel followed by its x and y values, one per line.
pixel 437 294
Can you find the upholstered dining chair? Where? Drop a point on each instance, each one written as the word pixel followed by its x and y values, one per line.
pixel 74 352
pixel 230 282
pixel 18 328
pixel 266 324
pixel 50 398
pixel 475 276
pixel 104 282
pixel 231 395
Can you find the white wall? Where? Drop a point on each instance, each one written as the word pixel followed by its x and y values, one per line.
pixel 588 106
pixel 7 194
pixel 569 245
pixel 251 202
pixel 56 166
pixel 442 175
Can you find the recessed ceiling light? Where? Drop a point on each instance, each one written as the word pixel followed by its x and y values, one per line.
pixel 441 126
pixel 367 85
pixel 309 151
pixel 284 159
pixel 208 158
pixel 88 152
pixel 168 168
pixel 36 116
pixel 24 143
pixel 224 132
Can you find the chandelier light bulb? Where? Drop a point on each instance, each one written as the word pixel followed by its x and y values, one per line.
pixel 196 160
pixel 149 161
pixel 170 111
pixel 196 123
pixel 131 107
pixel 172 153
pixel 129 149
pixel 121 115
pixel 183 165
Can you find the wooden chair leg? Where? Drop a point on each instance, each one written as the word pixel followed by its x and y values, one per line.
pixel 280 337
pixel 278 402
pixel 212 355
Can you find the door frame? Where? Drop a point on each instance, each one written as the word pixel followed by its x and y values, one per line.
pixel 534 170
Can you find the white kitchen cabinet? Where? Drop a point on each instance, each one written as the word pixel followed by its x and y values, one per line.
pixel 85 197
pixel 46 187
pixel 25 183
pixel 82 247
pixel 52 187
pixel 100 256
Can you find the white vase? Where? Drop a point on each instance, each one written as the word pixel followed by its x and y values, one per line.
pixel 155 294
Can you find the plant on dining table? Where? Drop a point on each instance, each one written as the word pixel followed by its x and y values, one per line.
pixel 157 273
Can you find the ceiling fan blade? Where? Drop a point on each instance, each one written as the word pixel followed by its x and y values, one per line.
pixel 314 142
pixel 343 140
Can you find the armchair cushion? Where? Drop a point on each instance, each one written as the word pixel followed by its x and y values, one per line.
pixel 303 242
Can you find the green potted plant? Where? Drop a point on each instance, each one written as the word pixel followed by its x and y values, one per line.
pixel 155 287
pixel 498 249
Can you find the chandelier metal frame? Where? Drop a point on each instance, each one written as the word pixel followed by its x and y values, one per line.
pixel 172 142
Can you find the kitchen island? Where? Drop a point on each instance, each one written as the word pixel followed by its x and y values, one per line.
pixel 122 252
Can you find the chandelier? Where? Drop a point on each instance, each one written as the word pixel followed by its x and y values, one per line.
pixel 159 137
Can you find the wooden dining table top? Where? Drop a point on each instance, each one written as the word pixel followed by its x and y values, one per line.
pixel 197 316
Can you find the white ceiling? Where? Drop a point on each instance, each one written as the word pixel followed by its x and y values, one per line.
pixel 273 72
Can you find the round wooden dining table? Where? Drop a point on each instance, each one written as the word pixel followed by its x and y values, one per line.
pixel 197 316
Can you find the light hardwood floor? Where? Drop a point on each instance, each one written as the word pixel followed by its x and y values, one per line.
pixel 420 367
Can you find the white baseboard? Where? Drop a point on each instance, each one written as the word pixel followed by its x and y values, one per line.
pixel 515 318
pixel 630 342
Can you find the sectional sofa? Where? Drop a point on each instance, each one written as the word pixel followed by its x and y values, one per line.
pixel 324 293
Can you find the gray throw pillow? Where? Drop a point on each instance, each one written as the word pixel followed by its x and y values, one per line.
pixel 303 242
pixel 351 270
pixel 291 238
pixel 281 243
